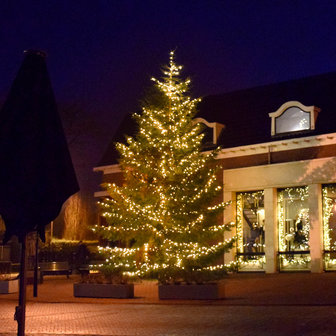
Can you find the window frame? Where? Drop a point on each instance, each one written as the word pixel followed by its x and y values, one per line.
pixel 216 128
pixel 312 110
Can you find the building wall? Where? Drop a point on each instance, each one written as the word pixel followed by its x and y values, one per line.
pixel 272 157
pixel 290 163
pixel 281 175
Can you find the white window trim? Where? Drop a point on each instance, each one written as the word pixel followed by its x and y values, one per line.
pixel 313 110
pixel 217 128
pixel 109 169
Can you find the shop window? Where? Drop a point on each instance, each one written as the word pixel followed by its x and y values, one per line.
pixel 294 226
pixel 329 226
pixel 250 231
pixel 293 117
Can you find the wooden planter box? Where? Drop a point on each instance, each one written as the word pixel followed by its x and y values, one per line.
pixel 9 286
pixel 208 291
pixel 104 290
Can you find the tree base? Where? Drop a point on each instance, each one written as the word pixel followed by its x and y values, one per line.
pixel 9 286
pixel 122 291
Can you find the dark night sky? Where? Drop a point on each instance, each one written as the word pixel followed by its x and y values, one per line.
pixel 102 53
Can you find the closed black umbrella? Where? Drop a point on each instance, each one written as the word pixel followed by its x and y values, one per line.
pixel 36 171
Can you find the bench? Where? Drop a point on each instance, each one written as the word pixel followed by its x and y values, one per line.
pixel 84 269
pixel 55 268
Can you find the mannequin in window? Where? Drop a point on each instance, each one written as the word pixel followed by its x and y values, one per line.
pixel 299 236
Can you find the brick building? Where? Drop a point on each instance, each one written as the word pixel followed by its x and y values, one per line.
pixel 279 170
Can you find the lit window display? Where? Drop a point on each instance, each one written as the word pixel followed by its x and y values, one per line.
pixel 329 226
pixel 293 220
pixel 250 231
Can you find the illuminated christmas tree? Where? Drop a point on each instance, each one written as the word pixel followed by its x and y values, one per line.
pixel 165 213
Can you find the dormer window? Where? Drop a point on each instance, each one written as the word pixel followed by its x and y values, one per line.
pixel 212 131
pixel 293 117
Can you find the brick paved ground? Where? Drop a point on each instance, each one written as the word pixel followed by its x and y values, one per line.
pixel 178 320
pixel 256 304
pixel 241 289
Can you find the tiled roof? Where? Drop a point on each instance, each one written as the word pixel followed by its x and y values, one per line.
pixel 245 113
pixel 126 127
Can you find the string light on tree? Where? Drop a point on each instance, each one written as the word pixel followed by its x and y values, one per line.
pixel 165 212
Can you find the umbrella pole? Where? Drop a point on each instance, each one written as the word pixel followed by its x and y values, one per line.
pixel 36 265
pixel 20 310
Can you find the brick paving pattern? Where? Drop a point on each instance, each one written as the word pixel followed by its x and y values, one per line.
pixel 148 320
pixel 255 304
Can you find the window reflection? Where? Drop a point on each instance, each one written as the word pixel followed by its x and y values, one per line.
pixel 293 119
pixel 329 226
pixel 294 226
pixel 250 230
